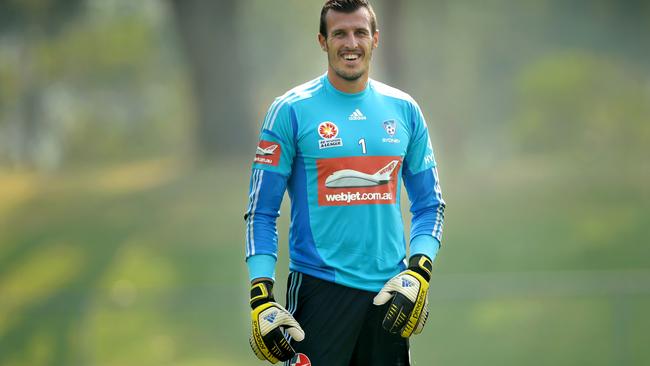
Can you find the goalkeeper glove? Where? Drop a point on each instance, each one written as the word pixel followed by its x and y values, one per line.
pixel 409 309
pixel 268 321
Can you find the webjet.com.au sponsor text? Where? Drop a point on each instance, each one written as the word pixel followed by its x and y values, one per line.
pixel 358 196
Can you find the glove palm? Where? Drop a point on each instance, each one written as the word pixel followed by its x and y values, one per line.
pixel 409 308
pixel 268 320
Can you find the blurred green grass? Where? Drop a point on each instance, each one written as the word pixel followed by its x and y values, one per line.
pixel 142 264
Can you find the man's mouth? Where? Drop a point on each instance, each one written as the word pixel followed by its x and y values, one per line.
pixel 351 56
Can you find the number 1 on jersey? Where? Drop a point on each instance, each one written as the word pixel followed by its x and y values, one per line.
pixel 362 142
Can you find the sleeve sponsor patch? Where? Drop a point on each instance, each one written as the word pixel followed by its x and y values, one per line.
pixel 268 153
pixel 358 180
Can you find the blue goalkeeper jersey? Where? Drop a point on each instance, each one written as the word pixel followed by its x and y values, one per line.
pixel 343 158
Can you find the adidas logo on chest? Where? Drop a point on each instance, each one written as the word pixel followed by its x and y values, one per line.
pixel 356 116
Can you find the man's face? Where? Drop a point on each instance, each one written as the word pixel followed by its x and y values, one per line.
pixel 349 43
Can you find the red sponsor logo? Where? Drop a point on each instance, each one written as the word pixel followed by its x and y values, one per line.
pixel 300 359
pixel 358 180
pixel 328 130
pixel 268 153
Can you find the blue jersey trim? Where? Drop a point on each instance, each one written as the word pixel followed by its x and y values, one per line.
pixel 294 124
pixel 266 191
pixel 304 255
pixel 274 135
pixel 427 205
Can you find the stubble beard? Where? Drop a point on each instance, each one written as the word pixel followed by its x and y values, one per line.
pixel 351 76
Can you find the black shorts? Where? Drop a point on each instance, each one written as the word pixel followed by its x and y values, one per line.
pixel 342 326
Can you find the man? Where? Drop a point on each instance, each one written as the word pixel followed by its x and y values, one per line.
pixel 341 145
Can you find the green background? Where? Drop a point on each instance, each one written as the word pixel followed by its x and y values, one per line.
pixel 119 245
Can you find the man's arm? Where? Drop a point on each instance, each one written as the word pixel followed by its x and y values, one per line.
pixel 422 184
pixel 265 197
pixel 407 292
pixel 271 168
pixel 427 208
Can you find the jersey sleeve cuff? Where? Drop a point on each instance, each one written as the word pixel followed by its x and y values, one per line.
pixel 425 244
pixel 261 265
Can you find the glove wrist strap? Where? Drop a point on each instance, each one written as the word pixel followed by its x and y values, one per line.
pixel 422 265
pixel 261 292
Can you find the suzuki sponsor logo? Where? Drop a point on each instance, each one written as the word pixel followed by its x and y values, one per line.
pixel 356 116
pixel 328 131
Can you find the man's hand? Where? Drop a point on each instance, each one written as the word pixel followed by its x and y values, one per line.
pixel 409 310
pixel 269 319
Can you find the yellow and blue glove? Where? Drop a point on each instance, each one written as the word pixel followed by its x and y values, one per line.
pixel 269 320
pixel 409 309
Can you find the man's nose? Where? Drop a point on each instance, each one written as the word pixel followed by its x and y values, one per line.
pixel 351 41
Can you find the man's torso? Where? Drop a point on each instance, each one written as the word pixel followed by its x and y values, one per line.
pixel 345 179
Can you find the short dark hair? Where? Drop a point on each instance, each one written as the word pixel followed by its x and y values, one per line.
pixel 346 6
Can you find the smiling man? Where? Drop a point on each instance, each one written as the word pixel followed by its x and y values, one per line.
pixel 349 44
pixel 342 145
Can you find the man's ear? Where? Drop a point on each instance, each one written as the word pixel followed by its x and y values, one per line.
pixel 323 42
pixel 375 39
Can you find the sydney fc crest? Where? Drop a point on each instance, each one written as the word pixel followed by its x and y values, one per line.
pixel 390 127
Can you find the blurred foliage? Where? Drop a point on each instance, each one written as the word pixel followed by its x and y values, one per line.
pixel 43 14
pixel 579 102
pixel 141 264
pixel 498 78
pixel 114 250
pixel 110 88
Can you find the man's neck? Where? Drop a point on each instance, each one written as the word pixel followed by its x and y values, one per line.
pixel 347 86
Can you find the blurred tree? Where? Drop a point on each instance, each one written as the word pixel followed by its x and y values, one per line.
pixel 391 33
pixel 29 23
pixel 208 30
pixel 47 15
